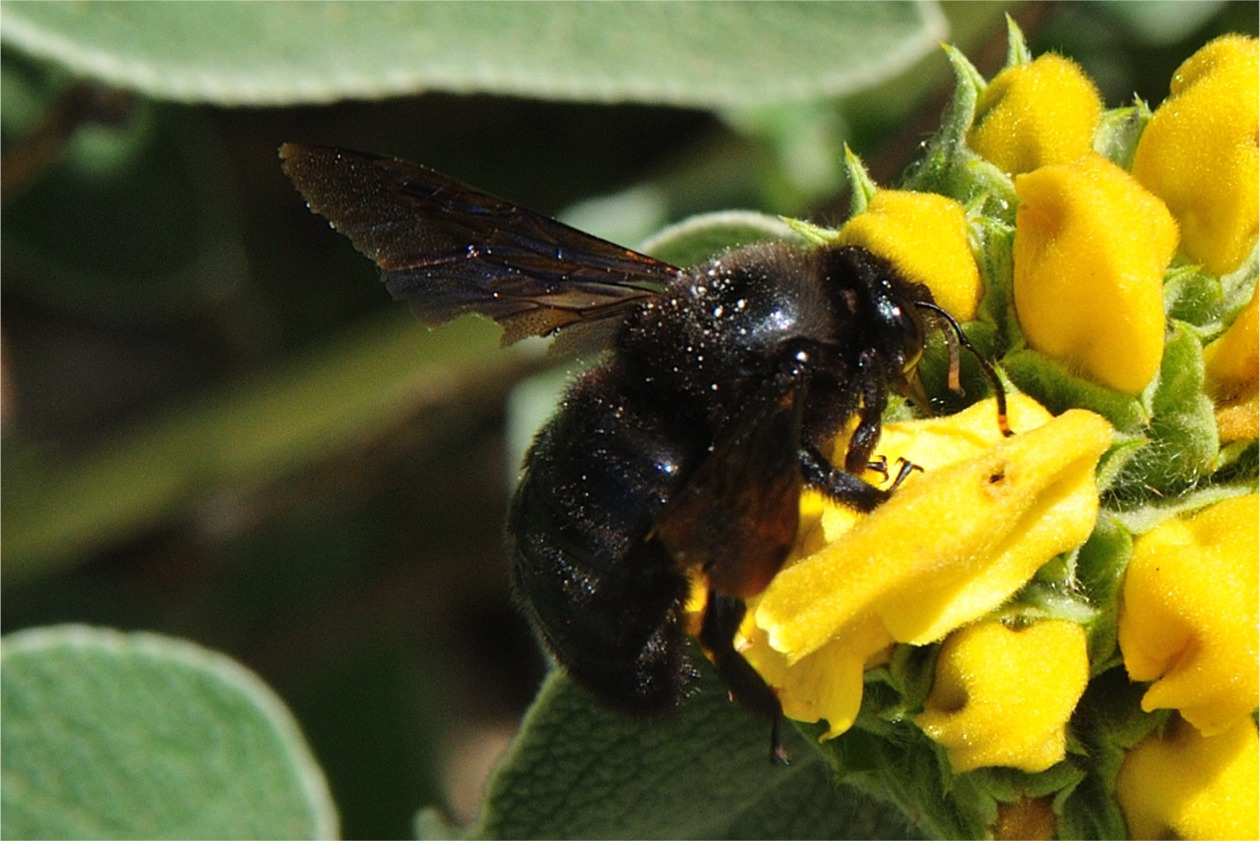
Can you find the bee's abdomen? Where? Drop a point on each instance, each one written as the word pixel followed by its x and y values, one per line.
pixel 605 597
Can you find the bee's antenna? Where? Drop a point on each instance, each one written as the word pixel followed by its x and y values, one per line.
pixel 989 372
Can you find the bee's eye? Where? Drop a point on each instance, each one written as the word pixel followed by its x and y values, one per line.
pixel 904 327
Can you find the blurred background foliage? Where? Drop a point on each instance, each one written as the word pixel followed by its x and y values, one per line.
pixel 217 426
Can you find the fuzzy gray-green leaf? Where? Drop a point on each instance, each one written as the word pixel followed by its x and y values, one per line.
pixel 705 55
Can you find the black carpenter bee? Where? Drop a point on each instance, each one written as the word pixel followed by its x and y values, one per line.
pixel 688 446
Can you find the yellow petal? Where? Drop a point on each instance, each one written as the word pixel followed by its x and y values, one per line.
pixel 953 542
pixel 925 236
pixel 1091 247
pixel 1186 785
pixel 1189 614
pixel 1036 114
pixel 1232 371
pixel 827 684
pixel 1003 696
pixel 1199 153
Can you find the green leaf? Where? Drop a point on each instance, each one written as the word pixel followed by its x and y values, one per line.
pixel 89 239
pixel 111 735
pixel 579 771
pixel 1157 22
pixel 905 766
pixel 692 54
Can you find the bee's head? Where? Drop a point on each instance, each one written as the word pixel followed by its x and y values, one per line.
pixel 884 308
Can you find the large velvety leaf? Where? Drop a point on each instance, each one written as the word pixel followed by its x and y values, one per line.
pixel 578 771
pixel 110 735
pixel 692 54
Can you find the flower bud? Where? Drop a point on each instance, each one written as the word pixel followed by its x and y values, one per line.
pixel 1091 247
pixel 1187 785
pixel 1037 114
pixel 1188 614
pixel 1199 153
pixel 925 236
pixel 1232 373
pixel 1003 696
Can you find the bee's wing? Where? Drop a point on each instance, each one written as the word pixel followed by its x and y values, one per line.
pixel 447 248
pixel 736 517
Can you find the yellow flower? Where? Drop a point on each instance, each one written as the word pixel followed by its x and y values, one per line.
pixel 1232 370
pixel 1003 696
pixel 1036 114
pixel 1091 247
pixel 1188 614
pixel 1186 785
pixel 953 543
pixel 925 236
pixel 1199 153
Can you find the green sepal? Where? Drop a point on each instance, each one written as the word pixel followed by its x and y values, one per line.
pixel 1100 566
pixel 934 369
pixel 1017 52
pixel 1182 427
pixel 1194 297
pixel 1141 519
pixel 861 186
pixel 1050 596
pixel 1111 466
pixel 1108 721
pixel 1051 384
pixel 1009 784
pixel 1118 132
pixel 911 670
pixel 948 166
pixel 811 233
pixel 1237 462
pixel 1238 286
pixel 992 244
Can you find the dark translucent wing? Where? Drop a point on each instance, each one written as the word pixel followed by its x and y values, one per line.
pixel 447 248
pixel 736 517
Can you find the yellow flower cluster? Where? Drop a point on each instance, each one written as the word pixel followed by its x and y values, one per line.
pixel 1093 240
pixel 999 508
pixel 948 559
pixel 1090 241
